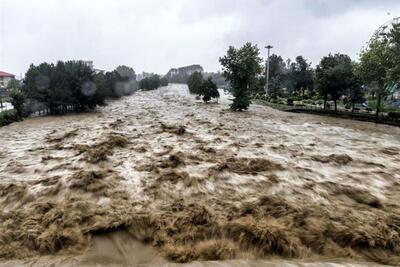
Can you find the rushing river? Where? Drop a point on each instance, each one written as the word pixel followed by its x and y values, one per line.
pixel 159 177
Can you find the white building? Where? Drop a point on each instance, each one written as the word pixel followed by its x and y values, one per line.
pixel 5 78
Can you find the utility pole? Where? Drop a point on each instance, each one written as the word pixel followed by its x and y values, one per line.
pixel 268 47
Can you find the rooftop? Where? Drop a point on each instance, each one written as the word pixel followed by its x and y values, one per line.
pixel 6 74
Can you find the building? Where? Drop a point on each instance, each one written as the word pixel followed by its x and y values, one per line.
pixel 5 78
pixel 181 75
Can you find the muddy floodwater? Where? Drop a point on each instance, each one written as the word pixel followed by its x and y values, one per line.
pixel 158 179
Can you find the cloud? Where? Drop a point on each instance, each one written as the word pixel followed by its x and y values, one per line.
pixel 156 35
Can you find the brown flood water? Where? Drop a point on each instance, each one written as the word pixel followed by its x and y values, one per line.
pixel 158 178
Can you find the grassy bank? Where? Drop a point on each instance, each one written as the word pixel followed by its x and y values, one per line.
pixel 383 119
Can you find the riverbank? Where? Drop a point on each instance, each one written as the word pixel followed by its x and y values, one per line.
pixel 370 117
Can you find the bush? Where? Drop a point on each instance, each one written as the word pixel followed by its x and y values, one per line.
pixel 150 83
pixel 394 114
pixel 290 102
pixel 299 105
pixel 164 81
pixel 209 90
pixel 195 83
pixel 9 116
pixel 18 100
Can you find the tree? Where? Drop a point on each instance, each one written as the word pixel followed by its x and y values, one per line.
pixel 376 65
pixel 356 93
pixel 208 90
pixel 150 83
pixel 164 81
pixel 335 76
pixel 126 72
pixel 241 67
pixel 18 100
pixel 302 76
pixel 63 87
pixel 277 75
pixel 14 84
pixel 195 83
pixel 393 38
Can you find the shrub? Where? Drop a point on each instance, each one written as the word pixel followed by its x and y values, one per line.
pixel 150 83
pixel 209 90
pixel 195 83
pixel 164 81
pixel 394 114
pixel 9 116
pixel 18 100
pixel 299 105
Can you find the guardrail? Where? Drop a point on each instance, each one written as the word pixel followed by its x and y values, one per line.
pixel 383 119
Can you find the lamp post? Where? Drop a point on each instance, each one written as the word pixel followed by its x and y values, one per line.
pixel 268 47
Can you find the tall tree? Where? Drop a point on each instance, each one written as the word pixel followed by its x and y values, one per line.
pixel 335 76
pixel 18 100
pixel 302 76
pixel 277 75
pixel 241 67
pixel 356 92
pixel 195 82
pixel 126 72
pixel 376 69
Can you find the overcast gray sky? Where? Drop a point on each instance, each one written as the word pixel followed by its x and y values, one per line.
pixel 155 35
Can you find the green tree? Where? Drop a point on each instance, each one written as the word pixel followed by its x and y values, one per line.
pixel 241 67
pixel 150 83
pixel 14 84
pixel 276 75
pixel 164 81
pixel 126 72
pixel 302 76
pixel 63 87
pixel 208 90
pixel 376 65
pixel 18 100
pixel 393 39
pixel 195 83
pixel 356 92
pixel 335 76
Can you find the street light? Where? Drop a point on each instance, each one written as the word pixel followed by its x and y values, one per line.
pixel 268 47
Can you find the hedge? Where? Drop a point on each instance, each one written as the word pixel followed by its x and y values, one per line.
pixel 394 114
pixel 8 116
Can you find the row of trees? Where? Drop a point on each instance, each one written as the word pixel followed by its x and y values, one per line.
pixel 74 86
pixel 153 82
pixel 204 88
pixel 336 77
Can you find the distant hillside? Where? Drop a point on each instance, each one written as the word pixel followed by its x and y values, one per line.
pixel 181 75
